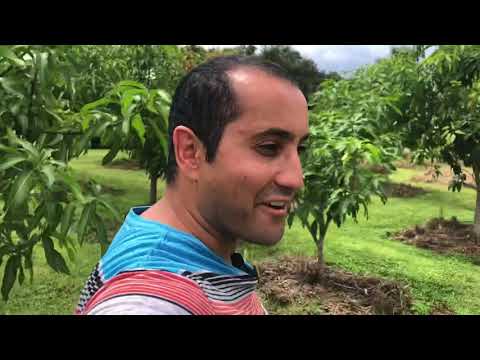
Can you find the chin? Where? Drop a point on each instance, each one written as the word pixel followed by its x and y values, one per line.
pixel 265 240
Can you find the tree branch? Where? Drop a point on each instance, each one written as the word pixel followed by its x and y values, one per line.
pixel 6 71
pixel 32 92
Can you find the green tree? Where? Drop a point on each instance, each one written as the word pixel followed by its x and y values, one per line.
pixel 135 119
pixel 97 68
pixel 303 71
pixel 443 120
pixel 41 201
pixel 353 126
pixel 192 55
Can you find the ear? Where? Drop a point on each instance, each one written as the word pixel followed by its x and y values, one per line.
pixel 189 151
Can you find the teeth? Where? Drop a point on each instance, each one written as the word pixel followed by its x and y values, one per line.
pixel 277 203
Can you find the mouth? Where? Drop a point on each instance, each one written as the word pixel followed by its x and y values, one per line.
pixel 277 208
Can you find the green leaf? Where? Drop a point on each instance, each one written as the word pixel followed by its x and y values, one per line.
pixel 63 152
pixel 113 152
pixel 11 161
pixel 137 124
pixel 84 220
pixel 161 137
pixel 53 214
pixel 7 53
pixel 101 234
pixel 49 173
pixel 82 144
pixel 70 252
pixel 164 112
pixel 127 108
pixel 20 189
pixel 126 126
pixel 42 63
pixel 3 251
pixel 313 230
pixel 21 275
pixel 37 217
pixel 58 138
pixel 8 149
pixel 450 138
pixel 290 219
pixel 108 206
pixel 131 84
pixel 73 185
pixel 164 96
pixel 67 219
pixel 54 258
pixel 86 121
pixel 58 163
pixel 29 263
pixel 54 115
pixel 25 144
pixel 12 86
pixel 100 128
pixel 93 105
pixel 374 152
pixel 10 275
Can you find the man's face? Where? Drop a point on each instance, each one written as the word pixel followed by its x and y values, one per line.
pixel 247 190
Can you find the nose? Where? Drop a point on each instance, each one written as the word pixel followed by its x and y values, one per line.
pixel 291 173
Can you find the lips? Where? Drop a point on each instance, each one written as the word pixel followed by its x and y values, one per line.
pixel 277 207
pixel 275 212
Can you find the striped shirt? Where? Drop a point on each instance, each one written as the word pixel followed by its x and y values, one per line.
pixel 151 268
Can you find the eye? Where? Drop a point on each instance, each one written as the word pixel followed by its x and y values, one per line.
pixel 270 149
pixel 301 149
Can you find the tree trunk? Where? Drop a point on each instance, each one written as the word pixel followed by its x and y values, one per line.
pixel 320 258
pixel 476 224
pixel 153 189
pixel 321 241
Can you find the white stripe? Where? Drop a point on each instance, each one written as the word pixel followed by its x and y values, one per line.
pixel 137 305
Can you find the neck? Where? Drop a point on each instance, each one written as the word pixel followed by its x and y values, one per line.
pixel 173 210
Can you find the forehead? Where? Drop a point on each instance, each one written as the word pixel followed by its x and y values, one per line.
pixel 267 102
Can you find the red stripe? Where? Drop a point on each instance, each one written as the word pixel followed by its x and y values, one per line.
pixel 175 288
pixel 168 286
pixel 249 305
pixel 187 296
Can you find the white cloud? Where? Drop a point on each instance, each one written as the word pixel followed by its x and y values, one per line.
pixel 343 58
pixel 340 58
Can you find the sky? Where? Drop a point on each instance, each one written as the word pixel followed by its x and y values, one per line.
pixel 339 58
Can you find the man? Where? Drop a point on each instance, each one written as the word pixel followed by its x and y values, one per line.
pixel 236 128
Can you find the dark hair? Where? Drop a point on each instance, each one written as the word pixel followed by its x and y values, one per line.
pixel 205 102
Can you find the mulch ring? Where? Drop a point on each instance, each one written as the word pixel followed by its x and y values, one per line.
pixel 445 177
pixel 296 280
pixel 443 236
pixel 402 190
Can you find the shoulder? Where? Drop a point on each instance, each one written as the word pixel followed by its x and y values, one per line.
pixel 138 305
pixel 159 286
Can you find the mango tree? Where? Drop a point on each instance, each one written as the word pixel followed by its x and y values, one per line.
pixel 302 70
pixel 95 69
pixel 41 201
pixel 126 103
pixel 444 118
pixel 352 128
pixel 134 119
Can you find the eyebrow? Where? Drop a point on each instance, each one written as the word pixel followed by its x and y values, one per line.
pixel 283 134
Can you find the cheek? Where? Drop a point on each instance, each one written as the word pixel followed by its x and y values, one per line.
pixel 242 176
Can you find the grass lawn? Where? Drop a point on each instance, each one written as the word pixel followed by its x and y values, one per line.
pixel 362 248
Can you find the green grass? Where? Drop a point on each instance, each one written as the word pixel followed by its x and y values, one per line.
pixel 365 248
pixel 50 292
pixel 135 182
pixel 362 247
